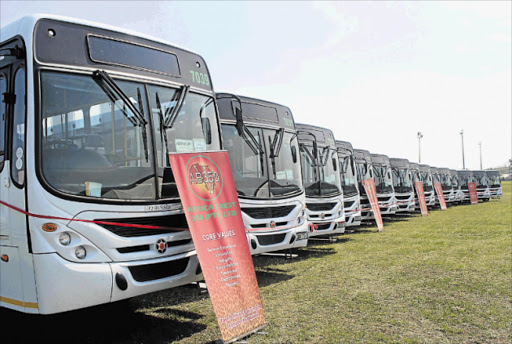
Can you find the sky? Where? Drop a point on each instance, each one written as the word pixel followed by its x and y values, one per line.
pixel 376 73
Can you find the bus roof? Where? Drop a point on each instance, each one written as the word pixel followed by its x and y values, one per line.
pixel 322 135
pixel 30 20
pixel 255 111
pixel 362 155
pixel 63 41
pixel 345 147
pixel 380 159
pixel 399 162
pixel 414 166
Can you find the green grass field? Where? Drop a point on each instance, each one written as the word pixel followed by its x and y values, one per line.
pixel 443 278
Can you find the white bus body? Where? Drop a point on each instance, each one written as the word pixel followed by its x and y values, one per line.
pixel 446 183
pixel 324 195
pixel 384 184
pixel 428 185
pixel 264 154
pixel 483 185
pixel 349 183
pixel 495 183
pixel 403 185
pixel 364 169
pixel 89 211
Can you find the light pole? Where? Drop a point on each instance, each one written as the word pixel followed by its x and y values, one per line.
pixel 420 135
pixel 480 144
pixel 462 137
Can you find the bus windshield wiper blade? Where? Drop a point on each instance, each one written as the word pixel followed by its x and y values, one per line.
pixel 114 92
pixel 172 113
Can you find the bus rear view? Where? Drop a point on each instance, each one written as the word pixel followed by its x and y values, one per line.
pixel 324 197
pixel 90 210
pixel 263 148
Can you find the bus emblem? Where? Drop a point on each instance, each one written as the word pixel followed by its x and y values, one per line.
pixel 272 224
pixel 161 246
pixel 205 178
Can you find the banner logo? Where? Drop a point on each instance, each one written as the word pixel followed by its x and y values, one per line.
pixel 205 179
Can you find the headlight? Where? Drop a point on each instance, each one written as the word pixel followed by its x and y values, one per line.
pixel 80 252
pixel 65 239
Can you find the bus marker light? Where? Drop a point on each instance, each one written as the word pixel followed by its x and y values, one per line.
pixel 49 227
pixel 4 258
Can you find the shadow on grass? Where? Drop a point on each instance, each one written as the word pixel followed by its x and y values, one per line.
pixel 269 276
pixel 112 323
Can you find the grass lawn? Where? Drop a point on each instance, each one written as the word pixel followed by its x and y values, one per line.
pixel 443 278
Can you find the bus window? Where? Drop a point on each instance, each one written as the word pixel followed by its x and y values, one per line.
pixel 18 129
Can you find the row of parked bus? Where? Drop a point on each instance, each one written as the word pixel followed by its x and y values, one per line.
pixel 89 209
pixel 296 181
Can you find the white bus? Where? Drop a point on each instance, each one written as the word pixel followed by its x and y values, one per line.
pixel 483 185
pixel 324 195
pixel 363 160
pixel 403 185
pixel 465 177
pixel 428 185
pixel 349 183
pixel 495 183
pixel 263 149
pixel 90 213
pixel 447 184
pixel 384 184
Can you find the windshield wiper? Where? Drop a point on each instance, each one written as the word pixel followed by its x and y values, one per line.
pixel 114 92
pixel 172 113
pixel 161 116
pixel 275 147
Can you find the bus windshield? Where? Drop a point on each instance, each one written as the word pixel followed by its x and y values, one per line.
pixel 402 181
pixel 112 144
pixel 256 171
pixel 426 178
pixel 446 181
pixel 348 175
pixel 321 175
pixel 383 179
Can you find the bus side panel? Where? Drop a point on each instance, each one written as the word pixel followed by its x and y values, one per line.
pixel 11 293
pixel 64 286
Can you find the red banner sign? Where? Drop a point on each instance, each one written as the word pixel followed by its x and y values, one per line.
pixel 421 198
pixel 210 201
pixel 440 195
pixel 473 196
pixel 371 192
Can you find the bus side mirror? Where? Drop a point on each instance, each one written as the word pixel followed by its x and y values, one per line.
pixel 294 154
pixel 207 130
pixel 239 121
pixel 334 164
pixel 315 149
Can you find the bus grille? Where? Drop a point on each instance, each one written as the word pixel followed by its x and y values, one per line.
pixel 169 224
pixel 268 212
pixel 150 272
pixel 265 240
pixel 320 206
